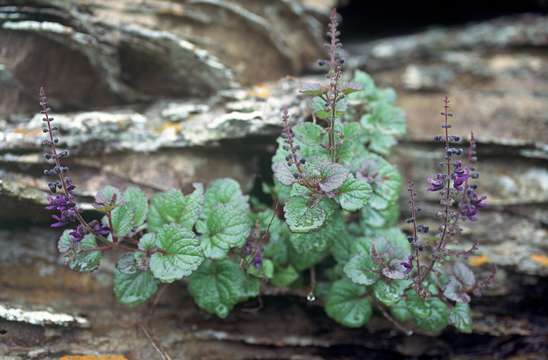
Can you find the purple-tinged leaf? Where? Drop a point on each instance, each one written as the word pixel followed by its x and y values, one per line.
pixel 283 173
pixel 464 275
pixel 314 89
pixel 334 176
pixel 351 87
pixel 455 291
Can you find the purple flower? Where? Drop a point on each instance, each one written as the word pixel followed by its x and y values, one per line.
pixel 472 202
pixel 258 259
pixel 460 176
pixel 407 265
pixel 97 228
pixel 66 208
pixel 436 183
pixel 78 234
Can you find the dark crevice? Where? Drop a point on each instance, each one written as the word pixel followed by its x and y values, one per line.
pixel 367 20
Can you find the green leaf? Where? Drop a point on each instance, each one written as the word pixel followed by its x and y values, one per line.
pixel 342 248
pixel 138 203
pixel 384 179
pixel 180 253
pixel 133 286
pixel 353 194
pixel 107 194
pixel 321 239
pixel 333 176
pixel 361 269
pixel 302 216
pixel 461 318
pixel 399 311
pixel 380 218
pixel 77 255
pixel 122 220
pixel 265 271
pixel 389 292
pixel 223 192
pixel 276 248
pixel 226 226
pixel 217 286
pixel 438 318
pixel 347 304
pixel 417 306
pixel 283 277
pixel 172 207
pixel 302 261
pixel 147 242
pixel 310 137
pixel 319 107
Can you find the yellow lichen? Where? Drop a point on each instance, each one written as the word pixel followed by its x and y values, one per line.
pixel 478 260
pixel 540 259
pixel 261 91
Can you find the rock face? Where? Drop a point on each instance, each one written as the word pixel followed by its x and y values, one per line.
pixel 150 93
pixel 100 53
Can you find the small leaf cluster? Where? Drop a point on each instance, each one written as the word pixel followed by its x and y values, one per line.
pixel 169 237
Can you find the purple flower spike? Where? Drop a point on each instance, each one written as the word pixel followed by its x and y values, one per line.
pixel 436 183
pixel 460 176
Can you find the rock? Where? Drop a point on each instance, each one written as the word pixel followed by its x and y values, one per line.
pixel 125 52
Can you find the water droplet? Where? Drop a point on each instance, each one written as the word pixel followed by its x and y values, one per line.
pixel 310 297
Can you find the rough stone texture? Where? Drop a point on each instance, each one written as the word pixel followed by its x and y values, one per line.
pixel 96 53
pixel 498 88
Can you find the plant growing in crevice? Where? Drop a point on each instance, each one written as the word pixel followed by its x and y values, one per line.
pixel 331 234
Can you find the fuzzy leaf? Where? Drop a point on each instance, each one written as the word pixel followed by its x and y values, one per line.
pixel 223 192
pixel 310 137
pixel 418 307
pixel 77 256
pixel 276 248
pixel 390 292
pixel 283 173
pixel 265 271
pixel 314 89
pixel 380 218
pixel 346 303
pixel 320 108
pixel 353 194
pixel 399 311
pixel 302 217
pixel 438 318
pixel 319 239
pixel 454 290
pixel 464 275
pixel 333 176
pixel 362 270
pixel 133 286
pixel 180 256
pixel 172 207
pixel 217 286
pixel 351 87
pixel 107 194
pixel 342 248
pixel 225 227
pixel 122 220
pixel 283 277
pixel 302 261
pixel 138 203
pixel 461 318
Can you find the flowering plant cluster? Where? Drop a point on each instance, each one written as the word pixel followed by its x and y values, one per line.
pixel 330 234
